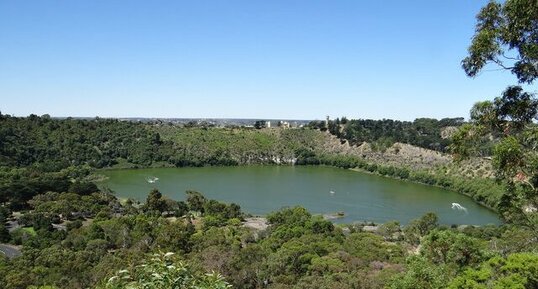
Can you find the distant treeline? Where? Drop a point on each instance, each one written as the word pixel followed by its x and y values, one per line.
pixel 54 144
pixel 51 144
pixel 422 132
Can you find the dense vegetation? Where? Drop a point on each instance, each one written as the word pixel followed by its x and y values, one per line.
pixel 423 132
pixel 233 146
pixel 120 245
pixel 53 144
pixel 50 144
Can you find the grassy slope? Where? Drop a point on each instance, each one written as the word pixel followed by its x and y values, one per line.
pixel 242 145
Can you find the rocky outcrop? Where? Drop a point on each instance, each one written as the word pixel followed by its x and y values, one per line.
pixel 399 154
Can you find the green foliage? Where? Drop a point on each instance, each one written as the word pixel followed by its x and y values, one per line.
pixel 423 132
pixel 419 228
pixel 453 249
pixel 74 225
pixel 516 108
pixel 508 156
pixel 369 247
pixel 390 231
pixel 296 216
pixel 83 188
pixel 506 36
pixel 196 201
pixel 232 146
pixel 218 214
pixel 164 271
pixel 516 271
pixel 45 163
pixel 507 123
pixel 259 124
pixel 516 239
pixel 485 112
pixel 72 206
pixel 469 140
pixel 421 274
pixel 155 202
pixel 4 233
pixel 18 185
pixel 53 144
pixel 487 232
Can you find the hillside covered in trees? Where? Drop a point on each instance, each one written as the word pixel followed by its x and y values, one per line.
pixel 54 144
pixel 426 133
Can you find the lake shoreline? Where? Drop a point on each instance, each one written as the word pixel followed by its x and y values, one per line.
pixel 310 187
pixel 355 169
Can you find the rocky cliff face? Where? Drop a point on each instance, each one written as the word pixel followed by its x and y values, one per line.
pixel 406 155
pixel 399 154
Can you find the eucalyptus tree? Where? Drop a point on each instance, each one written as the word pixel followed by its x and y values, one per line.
pixel 507 36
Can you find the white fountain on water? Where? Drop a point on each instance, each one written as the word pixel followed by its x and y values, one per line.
pixel 456 206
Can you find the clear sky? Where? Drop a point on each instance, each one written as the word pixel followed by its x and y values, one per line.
pixel 240 59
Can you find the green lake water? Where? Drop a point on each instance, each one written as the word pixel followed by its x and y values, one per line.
pixel 322 190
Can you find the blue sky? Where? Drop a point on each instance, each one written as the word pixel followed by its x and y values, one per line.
pixel 240 59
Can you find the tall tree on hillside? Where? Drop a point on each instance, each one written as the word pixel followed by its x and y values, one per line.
pixel 507 35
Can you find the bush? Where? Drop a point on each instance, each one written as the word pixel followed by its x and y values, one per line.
pixel 164 271
pixel 74 225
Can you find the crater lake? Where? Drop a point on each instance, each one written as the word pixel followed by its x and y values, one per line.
pixel 322 190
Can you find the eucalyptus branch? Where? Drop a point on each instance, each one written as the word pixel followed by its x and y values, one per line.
pixel 511 58
pixel 498 62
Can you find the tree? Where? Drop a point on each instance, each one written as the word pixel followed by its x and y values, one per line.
pixel 505 125
pixel 167 272
pixel 181 209
pixel 155 202
pixel 421 274
pixel 4 233
pixel 448 247
pixel 517 271
pixel 506 35
pixel 233 210
pixel 420 227
pixel 83 188
pixel 196 201
pixel 516 107
pixel 370 247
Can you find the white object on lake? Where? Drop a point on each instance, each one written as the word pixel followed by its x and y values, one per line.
pixel 152 180
pixel 331 192
pixel 456 206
